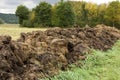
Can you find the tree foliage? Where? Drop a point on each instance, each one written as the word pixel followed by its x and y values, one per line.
pixel 9 18
pixel 23 13
pixel 70 13
pixel 43 14
pixel 113 13
pixel 65 15
pixel 101 9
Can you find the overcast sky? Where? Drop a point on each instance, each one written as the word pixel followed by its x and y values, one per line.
pixel 9 6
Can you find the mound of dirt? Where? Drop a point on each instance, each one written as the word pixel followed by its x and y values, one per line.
pixel 72 41
pixel 14 58
pixel 40 54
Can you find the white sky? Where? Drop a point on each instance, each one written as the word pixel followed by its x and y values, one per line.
pixel 9 6
pixel 96 1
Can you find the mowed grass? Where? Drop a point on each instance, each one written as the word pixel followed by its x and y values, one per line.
pixel 98 66
pixel 14 30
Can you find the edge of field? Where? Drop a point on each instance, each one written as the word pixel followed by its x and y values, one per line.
pixel 98 66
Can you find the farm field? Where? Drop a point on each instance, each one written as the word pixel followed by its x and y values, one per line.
pixel 60 40
pixel 98 65
pixel 14 30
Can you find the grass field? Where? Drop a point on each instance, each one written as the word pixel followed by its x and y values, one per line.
pixel 98 66
pixel 14 30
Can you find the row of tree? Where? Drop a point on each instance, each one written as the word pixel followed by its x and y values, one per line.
pixel 93 14
pixel 69 13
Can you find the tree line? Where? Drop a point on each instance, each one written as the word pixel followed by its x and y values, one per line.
pixel 8 18
pixel 69 13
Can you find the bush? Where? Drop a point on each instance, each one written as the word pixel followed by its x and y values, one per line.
pixel 27 23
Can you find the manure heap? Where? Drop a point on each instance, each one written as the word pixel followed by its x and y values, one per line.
pixel 41 54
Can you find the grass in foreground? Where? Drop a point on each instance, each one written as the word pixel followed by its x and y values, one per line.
pixel 98 66
pixel 14 30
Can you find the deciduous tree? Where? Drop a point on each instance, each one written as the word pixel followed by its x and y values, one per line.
pixel 112 14
pixel 43 14
pixel 23 13
pixel 65 14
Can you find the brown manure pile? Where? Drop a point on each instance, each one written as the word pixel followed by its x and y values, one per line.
pixel 41 54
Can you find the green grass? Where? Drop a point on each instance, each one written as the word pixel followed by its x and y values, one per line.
pixel 98 66
pixel 14 30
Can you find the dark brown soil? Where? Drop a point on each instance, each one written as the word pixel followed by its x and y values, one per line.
pixel 41 54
